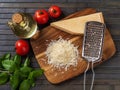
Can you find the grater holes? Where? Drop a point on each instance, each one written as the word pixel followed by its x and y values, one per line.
pixel 93 39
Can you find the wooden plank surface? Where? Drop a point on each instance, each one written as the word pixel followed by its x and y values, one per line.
pixel 107 74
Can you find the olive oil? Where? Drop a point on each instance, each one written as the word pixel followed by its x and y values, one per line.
pixel 23 25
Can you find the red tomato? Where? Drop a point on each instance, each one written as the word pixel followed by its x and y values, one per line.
pixel 41 16
pixel 54 11
pixel 22 47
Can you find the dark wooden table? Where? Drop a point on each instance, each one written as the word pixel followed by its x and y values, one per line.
pixel 107 74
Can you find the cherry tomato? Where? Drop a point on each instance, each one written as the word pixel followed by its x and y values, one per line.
pixel 54 11
pixel 22 47
pixel 41 16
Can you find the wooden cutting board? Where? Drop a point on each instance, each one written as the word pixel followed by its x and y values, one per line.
pixel 50 33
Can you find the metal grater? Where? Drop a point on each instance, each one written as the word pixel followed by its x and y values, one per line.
pixel 93 41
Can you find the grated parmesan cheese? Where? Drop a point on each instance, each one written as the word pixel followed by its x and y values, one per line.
pixel 62 54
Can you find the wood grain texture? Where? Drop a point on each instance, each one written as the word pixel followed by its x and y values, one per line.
pixel 50 33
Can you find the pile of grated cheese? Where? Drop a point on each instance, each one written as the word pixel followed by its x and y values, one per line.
pixel 62 54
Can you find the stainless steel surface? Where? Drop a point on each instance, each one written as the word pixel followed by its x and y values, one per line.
pixel 93 41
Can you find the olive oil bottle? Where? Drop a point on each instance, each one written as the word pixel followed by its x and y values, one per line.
pixel 23 25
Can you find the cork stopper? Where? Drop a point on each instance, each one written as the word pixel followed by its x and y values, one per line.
pixel 17 18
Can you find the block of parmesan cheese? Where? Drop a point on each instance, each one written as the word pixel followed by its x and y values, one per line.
pixel 77 25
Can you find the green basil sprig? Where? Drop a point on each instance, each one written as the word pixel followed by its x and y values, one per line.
pixel 21 76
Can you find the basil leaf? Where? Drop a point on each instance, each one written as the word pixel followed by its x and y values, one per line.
pixel 34 74
pixel 15 80
pixel 13 67
pixel 7 56
pixel 9 65
pixel 25 85
pixel 26 70
pixel 31 79
pixel 17 59
pixel 27 62
pixel 4 57
pixel 32 82
pixel 3 78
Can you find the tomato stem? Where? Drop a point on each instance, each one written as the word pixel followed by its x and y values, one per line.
pixel 54 11
pixel 41 12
